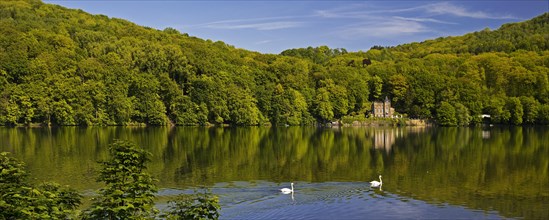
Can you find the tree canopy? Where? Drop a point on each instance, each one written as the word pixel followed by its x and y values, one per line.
pixel 61 66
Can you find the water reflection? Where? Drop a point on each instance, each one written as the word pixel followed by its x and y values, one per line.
pixel 331 200
pixel 385 138
pixel 477 168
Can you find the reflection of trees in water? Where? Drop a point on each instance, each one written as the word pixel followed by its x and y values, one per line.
pixel 452 165
pixel 505 172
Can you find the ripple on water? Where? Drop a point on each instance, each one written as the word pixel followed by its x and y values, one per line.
pixel 327 200
pixel 310 200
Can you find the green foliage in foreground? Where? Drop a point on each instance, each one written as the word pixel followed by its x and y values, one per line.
pixel 66 67
pixel 195 206
pixel 20 200
pixel 128 192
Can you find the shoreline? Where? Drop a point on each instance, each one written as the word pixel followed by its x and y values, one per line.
pixel 367 122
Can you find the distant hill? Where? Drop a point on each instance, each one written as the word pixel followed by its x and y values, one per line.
pixel 60 66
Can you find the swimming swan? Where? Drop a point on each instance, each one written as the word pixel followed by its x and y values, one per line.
pixel 286 190
pixel 376 183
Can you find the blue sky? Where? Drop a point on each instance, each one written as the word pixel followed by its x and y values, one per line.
pixel 275 25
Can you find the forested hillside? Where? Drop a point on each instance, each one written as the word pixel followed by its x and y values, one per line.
pixel 66 67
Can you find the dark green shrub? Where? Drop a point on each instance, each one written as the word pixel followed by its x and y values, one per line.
pixel 129 190
pixel 194 206
pixel 20 200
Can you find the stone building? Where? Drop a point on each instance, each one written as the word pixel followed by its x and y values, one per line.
pixel 383 109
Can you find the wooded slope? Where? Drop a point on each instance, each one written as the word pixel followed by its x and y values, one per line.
pixel 66 67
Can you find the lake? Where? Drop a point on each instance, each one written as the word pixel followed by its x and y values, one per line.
pixel 428 172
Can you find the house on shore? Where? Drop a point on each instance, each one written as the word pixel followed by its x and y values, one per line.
pixel 383 109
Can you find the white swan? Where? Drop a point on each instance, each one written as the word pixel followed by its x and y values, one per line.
pixel 376 183
pixel 286 190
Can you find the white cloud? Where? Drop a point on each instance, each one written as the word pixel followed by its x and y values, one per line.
pixel 367 19
pixel 257 26
pixel 380 21
pixel 356 11
pixel 390 28
pixel 442 8
pixel 262 23
pixel 263 42
pixel 431 20
pixel 451 9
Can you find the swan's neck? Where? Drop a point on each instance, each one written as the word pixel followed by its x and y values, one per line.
pixel 380 181
pixel 292 185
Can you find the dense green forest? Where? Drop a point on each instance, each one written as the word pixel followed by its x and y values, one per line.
pixel 66 67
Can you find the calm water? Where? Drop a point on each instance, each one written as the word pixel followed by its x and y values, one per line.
pixel 490 173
